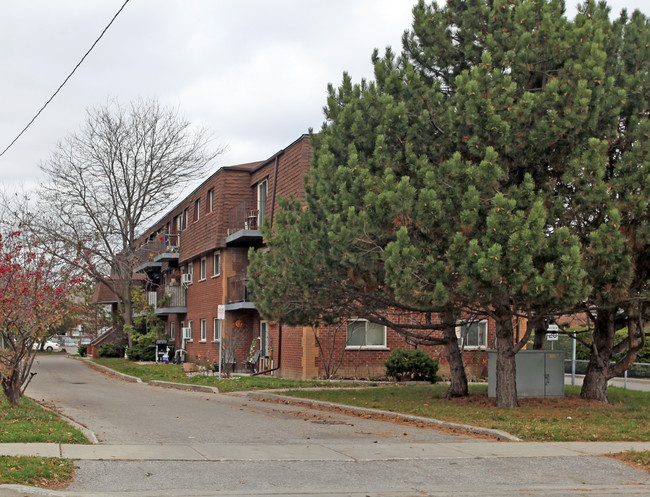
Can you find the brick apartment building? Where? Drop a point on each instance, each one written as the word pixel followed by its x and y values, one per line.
pixel 193 265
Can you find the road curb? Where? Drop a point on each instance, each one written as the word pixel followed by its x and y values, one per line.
pixel 104 369
pixel 498 434
pixel 184 386
pixel 157 383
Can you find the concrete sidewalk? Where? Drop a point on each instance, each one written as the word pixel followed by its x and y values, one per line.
pixel 320 452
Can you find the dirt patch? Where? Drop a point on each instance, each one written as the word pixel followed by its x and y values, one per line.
pixel 623 457
pixel 389 418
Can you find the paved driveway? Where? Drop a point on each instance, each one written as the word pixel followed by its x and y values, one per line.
pixel 129 413
pixel 261 449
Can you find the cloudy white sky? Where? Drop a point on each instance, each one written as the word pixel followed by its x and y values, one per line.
pixel 254 72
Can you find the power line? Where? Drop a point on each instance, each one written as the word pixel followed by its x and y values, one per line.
pixel 66 79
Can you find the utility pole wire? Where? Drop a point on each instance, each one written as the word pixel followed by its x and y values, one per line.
pixel 66 80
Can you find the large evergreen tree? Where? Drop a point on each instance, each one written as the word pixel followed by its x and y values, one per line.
pixel 497 167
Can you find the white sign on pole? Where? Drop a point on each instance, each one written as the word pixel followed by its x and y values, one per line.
pixel 552 336
pixel 553 327
pixel 221 312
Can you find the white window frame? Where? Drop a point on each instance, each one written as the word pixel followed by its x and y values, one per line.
pixel 365 346
pixel 172 329
pixel 216 264
pixel 190 335
pixel 197 209
pixel 262 196
pixel 481 330
pixel 190 271
pixel 217 329
pixel 264 339
pixel 204 330
pixel 203 269
pixel 211 200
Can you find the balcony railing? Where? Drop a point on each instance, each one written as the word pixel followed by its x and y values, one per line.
pixel 162 244
pixel 243 229
pixel 237 289
pixel 242 217
pixel 172 296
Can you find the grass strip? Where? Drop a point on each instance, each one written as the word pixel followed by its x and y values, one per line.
pixel 563 419
pixel 637 459
pixel 36 471
pixel 29 423
pixel 174 373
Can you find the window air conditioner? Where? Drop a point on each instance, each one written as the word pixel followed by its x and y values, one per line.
pixel 186 279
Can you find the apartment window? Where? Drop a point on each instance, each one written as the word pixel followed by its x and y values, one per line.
pixel 262 193
pixel 190 270
pixel 264 338
pixel 172 325
pixel 217 327
pixel 197 209
pixel 178 222
pixel 204 330
pixel 188 332
pixel 204 270
pixel 473 334
pixel 210 200
pixel 216 264
pixel 362 333
pixel 186 216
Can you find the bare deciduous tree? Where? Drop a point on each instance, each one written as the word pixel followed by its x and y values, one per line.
pixel 109 180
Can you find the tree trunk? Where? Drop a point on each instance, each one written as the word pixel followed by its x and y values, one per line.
pixel 594 386
pixel 458 384
pixel 11 390
pixel 506 372
pixel 540 335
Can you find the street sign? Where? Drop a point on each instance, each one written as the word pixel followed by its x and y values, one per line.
pixel 552 336
pixel 221 312
pixel 553 327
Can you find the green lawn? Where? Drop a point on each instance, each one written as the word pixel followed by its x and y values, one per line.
pixel 566 419
pixel 36 471
pixel 174 373
pixel 29 422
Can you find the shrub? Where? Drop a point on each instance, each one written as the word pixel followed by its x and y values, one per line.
pixel 82 350
pixel 141 353
pixel 411 364
pixel 110 350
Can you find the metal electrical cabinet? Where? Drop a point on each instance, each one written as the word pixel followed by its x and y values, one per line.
pixel 540 373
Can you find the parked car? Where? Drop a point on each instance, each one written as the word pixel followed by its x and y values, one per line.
pixel 50 346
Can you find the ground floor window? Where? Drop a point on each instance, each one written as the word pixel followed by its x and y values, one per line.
pixel 217 326
pixel 472 334
pixel 264 339
pixel 363 333
pixel 171 330
pixel 204 330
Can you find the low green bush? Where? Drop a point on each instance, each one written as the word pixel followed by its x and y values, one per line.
pixel 411 364
pixel 110 350
pixel 141 353
pixel 82 350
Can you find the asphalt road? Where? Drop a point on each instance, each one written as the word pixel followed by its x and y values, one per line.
pixel 125 413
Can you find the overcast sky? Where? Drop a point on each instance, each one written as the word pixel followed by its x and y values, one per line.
pixel 254 72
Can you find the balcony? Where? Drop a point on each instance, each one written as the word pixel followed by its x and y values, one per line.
pixel 151 255
pixel 171 300
pixel 242 226
pixel 238 296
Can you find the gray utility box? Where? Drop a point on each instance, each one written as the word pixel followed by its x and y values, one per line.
pixel 540 373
